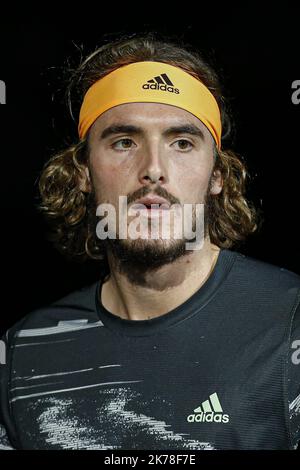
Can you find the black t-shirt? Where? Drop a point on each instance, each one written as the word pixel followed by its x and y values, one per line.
pixel 220 371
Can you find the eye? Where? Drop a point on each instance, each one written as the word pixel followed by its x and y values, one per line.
pixel 184 144
pixel 123 144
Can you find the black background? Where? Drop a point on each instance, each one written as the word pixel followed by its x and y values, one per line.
pixel 254 48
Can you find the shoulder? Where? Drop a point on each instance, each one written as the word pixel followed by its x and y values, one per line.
pixel 73 310
pixel 269 291
pixel 265 275
pixel 29 341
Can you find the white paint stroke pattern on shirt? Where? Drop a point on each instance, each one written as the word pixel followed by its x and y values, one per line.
pixel 294 407
pixel 107 420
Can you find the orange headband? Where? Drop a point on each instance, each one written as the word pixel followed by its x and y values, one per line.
pixel 151 82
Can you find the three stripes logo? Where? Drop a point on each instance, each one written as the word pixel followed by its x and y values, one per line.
pixel 209 411
pixel 161 82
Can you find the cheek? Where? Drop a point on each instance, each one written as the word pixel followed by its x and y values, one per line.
pixel 109 181
pixel 193 183
pixel 194 190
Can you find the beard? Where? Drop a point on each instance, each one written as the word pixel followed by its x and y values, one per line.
pixel 136 258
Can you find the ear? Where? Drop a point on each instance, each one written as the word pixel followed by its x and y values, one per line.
pixel 85 180
pixel 216 183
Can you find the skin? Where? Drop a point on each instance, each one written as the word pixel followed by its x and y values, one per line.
pixel 181 164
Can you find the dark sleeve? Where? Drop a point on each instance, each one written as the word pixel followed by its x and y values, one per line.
pixel 293 379
pixel 7 432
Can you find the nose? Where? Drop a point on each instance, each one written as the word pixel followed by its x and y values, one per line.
pixel 153 168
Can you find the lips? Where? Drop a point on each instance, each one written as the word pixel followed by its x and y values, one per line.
pixel 148 200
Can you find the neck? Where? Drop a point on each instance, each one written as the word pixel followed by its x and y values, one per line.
pixel 165 288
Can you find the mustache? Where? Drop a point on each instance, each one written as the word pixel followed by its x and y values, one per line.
pixel 158 191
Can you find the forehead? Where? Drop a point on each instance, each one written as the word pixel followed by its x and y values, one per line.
pixel 147 114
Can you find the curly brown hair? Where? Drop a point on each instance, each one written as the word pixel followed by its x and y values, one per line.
pixel 70 209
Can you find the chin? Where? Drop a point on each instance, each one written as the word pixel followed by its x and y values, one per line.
pixel 147 252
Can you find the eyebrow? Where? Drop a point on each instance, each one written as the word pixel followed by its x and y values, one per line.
pixel 130 129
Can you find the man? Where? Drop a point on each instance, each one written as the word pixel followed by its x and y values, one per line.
pixel 182 343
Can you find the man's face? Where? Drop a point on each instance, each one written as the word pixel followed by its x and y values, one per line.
pixel 138 149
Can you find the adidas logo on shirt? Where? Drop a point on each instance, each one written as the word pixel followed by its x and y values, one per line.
pixel 209 411
pixel 161 82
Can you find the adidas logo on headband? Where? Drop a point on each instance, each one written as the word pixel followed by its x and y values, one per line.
pixel 161 82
